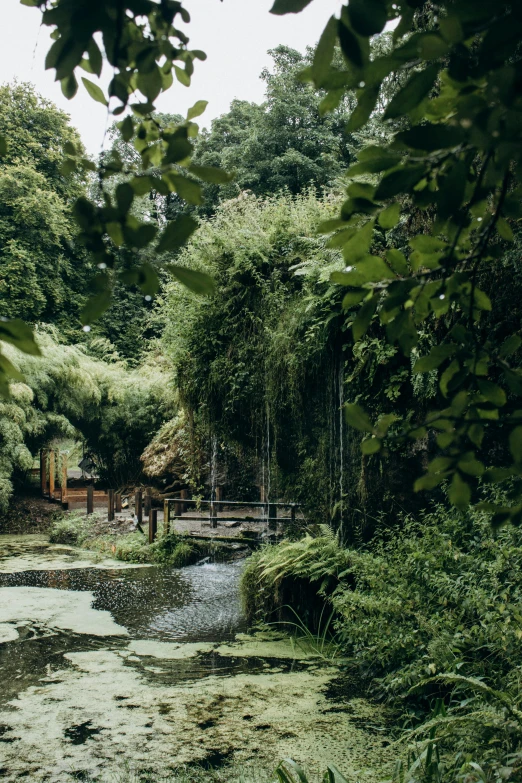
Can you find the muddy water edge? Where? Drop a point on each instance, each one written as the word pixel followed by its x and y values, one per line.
pixel 107 667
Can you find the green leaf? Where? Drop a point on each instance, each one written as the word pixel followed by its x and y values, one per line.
pixel 198 282
pixel 364 318
pixel 370 269
pixel 96 306
pixel 281 7
pixel 413 92
pixel 176 234
pixel 399 180
pixel 127 128
pixel 141 236
pixel 357 247
pixel 357 418
pixel 492 392
pixel 481 300
pixel 182 76
pixel 431 137
pixel 124 197
pixel 431 46
pixel 186 188
pixel 150 83
pixel 8 372
pixel 148 280
pixel 425 243
pixel 69 86
pixel 368 17
pixel 324 52
pixel 371 445
pixel 435 358
pixel 397 261
pixel 350 46
pixel 296 774
pixel 179 148
pixel 429 481
pixel 197 110
pixel 505 230
pixel 211 174
pixel 332 775
pixel 365 105
pixel 510 345
pixel 94 91
pixel 95 57
pixel 515 444
pixel 389 217
pixel 353 298
pixel 459 492
pixel 18 333
pixel 470 465
pixel 330 225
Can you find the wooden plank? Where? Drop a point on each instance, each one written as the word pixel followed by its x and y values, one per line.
pixel 117 502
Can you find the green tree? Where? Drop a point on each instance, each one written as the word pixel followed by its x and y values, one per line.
pixel 452 170
pixel 284 144
pixel 42 266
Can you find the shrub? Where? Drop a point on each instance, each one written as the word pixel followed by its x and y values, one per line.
pixel 429 613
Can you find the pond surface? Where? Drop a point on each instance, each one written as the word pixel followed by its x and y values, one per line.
pixel 197 603
pixel 146 668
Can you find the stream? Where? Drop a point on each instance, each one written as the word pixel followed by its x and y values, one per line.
pixel 109 667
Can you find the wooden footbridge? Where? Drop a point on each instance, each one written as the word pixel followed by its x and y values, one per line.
pixel 178 512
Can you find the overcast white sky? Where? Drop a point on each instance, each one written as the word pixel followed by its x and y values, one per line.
pixel 235 34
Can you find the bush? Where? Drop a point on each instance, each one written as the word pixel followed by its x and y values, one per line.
pixel 429 615
pixel 73 529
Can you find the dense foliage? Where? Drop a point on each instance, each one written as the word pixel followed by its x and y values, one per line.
pixel 68 393
pixel 284 144
pixel 425 613
pixel 43 271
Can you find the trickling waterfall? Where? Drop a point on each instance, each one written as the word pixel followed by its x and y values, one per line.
pixel 213 476
pixel 341 442
pixel 213 467
pixel 267 477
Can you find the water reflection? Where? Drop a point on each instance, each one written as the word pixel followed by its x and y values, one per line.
pixel 198 603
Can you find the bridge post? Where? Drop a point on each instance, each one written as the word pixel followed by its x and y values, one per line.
pixel 63 482
pixel 90 499
pixel 166 517
pixel 138 506
pixel 43 471
pixel 52 469
pixel 153 525
pixel 117 502
pixel 110 510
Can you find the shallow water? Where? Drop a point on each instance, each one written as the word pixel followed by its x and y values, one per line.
pixel 197 603
pixel 151 675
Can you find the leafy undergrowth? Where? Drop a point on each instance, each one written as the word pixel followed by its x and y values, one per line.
pixel 77 529
pixel 430 617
